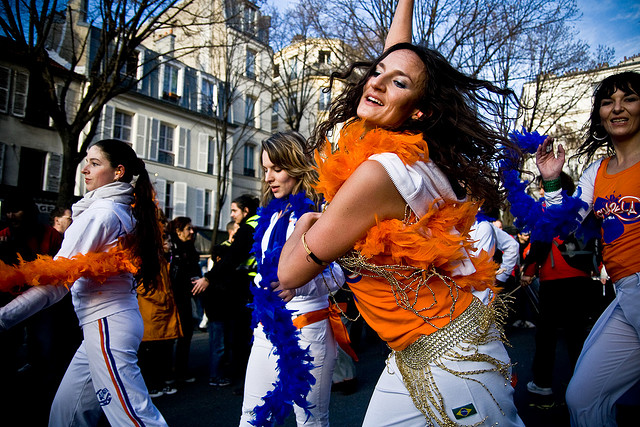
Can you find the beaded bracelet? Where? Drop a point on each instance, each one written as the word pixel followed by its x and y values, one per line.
pixel 552 185
pixel 311 254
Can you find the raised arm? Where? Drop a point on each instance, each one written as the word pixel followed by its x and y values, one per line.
pixel 401 26
pixel 368 194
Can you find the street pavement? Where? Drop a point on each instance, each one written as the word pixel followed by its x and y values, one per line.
pixel 198 404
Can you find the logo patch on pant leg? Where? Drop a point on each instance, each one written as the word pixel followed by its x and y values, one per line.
pixel 464 411
pixel 104 397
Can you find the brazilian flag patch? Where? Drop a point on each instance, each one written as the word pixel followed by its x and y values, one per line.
pixel 464 411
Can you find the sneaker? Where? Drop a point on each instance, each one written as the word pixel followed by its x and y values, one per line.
pixel 542 391
pixel 219 382
pixel 169 390
pixel 528 325
pixel 517 324
pixel 155 393
pixel 187 380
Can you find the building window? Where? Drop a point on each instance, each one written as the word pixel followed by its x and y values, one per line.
pixel 249 20
pixel 325 99
pixel 324 57
pixel 122 126
pixel 251 64
pixel 250 111
pixel 249 153
pixel 165 144
pixel 276 71
pixel 130 67
pixel 294 69
pixel 275 116
pixel 5 86
pixel 170 85
pixel 168 200
pixel 209 98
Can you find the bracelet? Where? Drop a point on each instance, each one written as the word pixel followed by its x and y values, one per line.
pixel 552 185
pixel 311 254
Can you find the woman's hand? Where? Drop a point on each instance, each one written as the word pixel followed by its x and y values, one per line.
pixel 526 280
pixel 286 294
pixel 548 164
pixel 199 285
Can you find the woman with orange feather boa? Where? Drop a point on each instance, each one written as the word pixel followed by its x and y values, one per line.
pixel 114 231
pixel 412 164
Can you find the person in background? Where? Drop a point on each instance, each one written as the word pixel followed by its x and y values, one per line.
pixel 184 271
pixel 489 238
pixel 562 279
pixel 403 184
pixel 217 309
pixel 61 219
pixel 238 264
pixel 104 376
pixel 161 326
pixel 609 363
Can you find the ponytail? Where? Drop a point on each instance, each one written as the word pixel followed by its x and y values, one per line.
pixel 147 236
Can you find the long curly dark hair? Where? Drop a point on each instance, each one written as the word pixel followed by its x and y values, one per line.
pixel 596 136
pixel 455 125
pixel 147 236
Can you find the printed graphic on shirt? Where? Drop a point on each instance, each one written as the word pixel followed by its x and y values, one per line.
pixel 464 411
pixel 104 397
pixel 616 212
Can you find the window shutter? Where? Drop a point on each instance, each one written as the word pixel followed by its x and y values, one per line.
pixel 141 135
pixel 153 139
pixel 52 172
pixel 183 147
pixel 199 216
pixel 180 199
pixel 203 152
pixel 161 188
pixel 20 94
pixel 5 86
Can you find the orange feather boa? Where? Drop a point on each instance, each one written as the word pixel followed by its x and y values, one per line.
pixel 425 244
pixel 64 271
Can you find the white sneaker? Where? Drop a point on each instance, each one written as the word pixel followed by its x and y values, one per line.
pixel 542 391
pixel 155 393
pixel 169 390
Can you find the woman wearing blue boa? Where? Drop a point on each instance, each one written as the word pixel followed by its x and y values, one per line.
pixel 294 350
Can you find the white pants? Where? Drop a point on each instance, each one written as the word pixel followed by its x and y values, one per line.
pixel 609 363
pixel 391 403
pixel 261 373
pixel 104 374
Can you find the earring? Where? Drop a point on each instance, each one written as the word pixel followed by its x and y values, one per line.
pixel 599 138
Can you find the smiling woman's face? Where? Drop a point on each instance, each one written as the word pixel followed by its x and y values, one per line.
pixel 389 96
pixel 620 115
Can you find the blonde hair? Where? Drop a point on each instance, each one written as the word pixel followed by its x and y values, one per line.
pixel 288 150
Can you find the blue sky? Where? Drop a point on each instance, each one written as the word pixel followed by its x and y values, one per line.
pixel 612 23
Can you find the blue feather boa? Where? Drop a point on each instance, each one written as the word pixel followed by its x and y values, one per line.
pixel 544 223
pixel 294 363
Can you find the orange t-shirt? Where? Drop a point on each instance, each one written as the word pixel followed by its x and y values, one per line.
pixel 616 201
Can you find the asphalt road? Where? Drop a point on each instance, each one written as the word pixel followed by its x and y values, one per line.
pixel 198 404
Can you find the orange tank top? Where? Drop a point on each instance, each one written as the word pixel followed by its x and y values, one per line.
pixel 616 201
